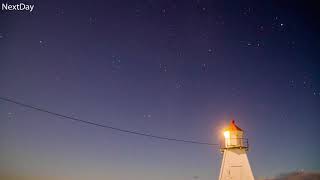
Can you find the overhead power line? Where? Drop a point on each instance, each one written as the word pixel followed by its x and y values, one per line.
pixel 103 125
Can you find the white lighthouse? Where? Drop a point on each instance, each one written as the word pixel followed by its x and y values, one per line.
pixel 235 164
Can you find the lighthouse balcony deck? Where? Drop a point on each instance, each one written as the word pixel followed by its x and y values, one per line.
pixel 235 143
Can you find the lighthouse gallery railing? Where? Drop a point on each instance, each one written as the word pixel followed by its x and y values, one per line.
pixel 241 143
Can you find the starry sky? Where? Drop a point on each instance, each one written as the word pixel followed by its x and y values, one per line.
pixel 180 69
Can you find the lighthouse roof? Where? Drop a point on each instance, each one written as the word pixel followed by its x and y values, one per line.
pixel 233 127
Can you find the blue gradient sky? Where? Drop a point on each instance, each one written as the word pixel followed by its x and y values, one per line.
pixel 104 61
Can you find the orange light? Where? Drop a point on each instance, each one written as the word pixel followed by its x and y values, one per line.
pixel 226 134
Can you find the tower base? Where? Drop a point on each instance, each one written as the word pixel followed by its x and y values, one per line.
pixel 235 165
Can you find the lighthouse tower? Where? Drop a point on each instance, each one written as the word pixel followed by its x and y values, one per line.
pixel 235 164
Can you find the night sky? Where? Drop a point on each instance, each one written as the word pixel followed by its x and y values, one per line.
pixel 180 69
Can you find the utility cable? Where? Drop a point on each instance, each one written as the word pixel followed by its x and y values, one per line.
pixel 103 125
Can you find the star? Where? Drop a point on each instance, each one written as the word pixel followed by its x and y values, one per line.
pixel 291 44
pixel 59 12
pixel 138 12
pixel 163 68
pixel 204 67
pixel 163 11
pixel 260 28
pixel 291 82
pixel 92 20
pixel 42 43
pixel 179 84
pixel 115 63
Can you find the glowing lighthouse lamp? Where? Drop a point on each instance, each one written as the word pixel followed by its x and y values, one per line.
pixel 235 164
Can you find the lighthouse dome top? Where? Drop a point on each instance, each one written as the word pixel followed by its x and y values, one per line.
pixel 233 127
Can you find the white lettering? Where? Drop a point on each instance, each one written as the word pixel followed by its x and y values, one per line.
pixel 4 6
pixel 22 6
pixel 17 7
